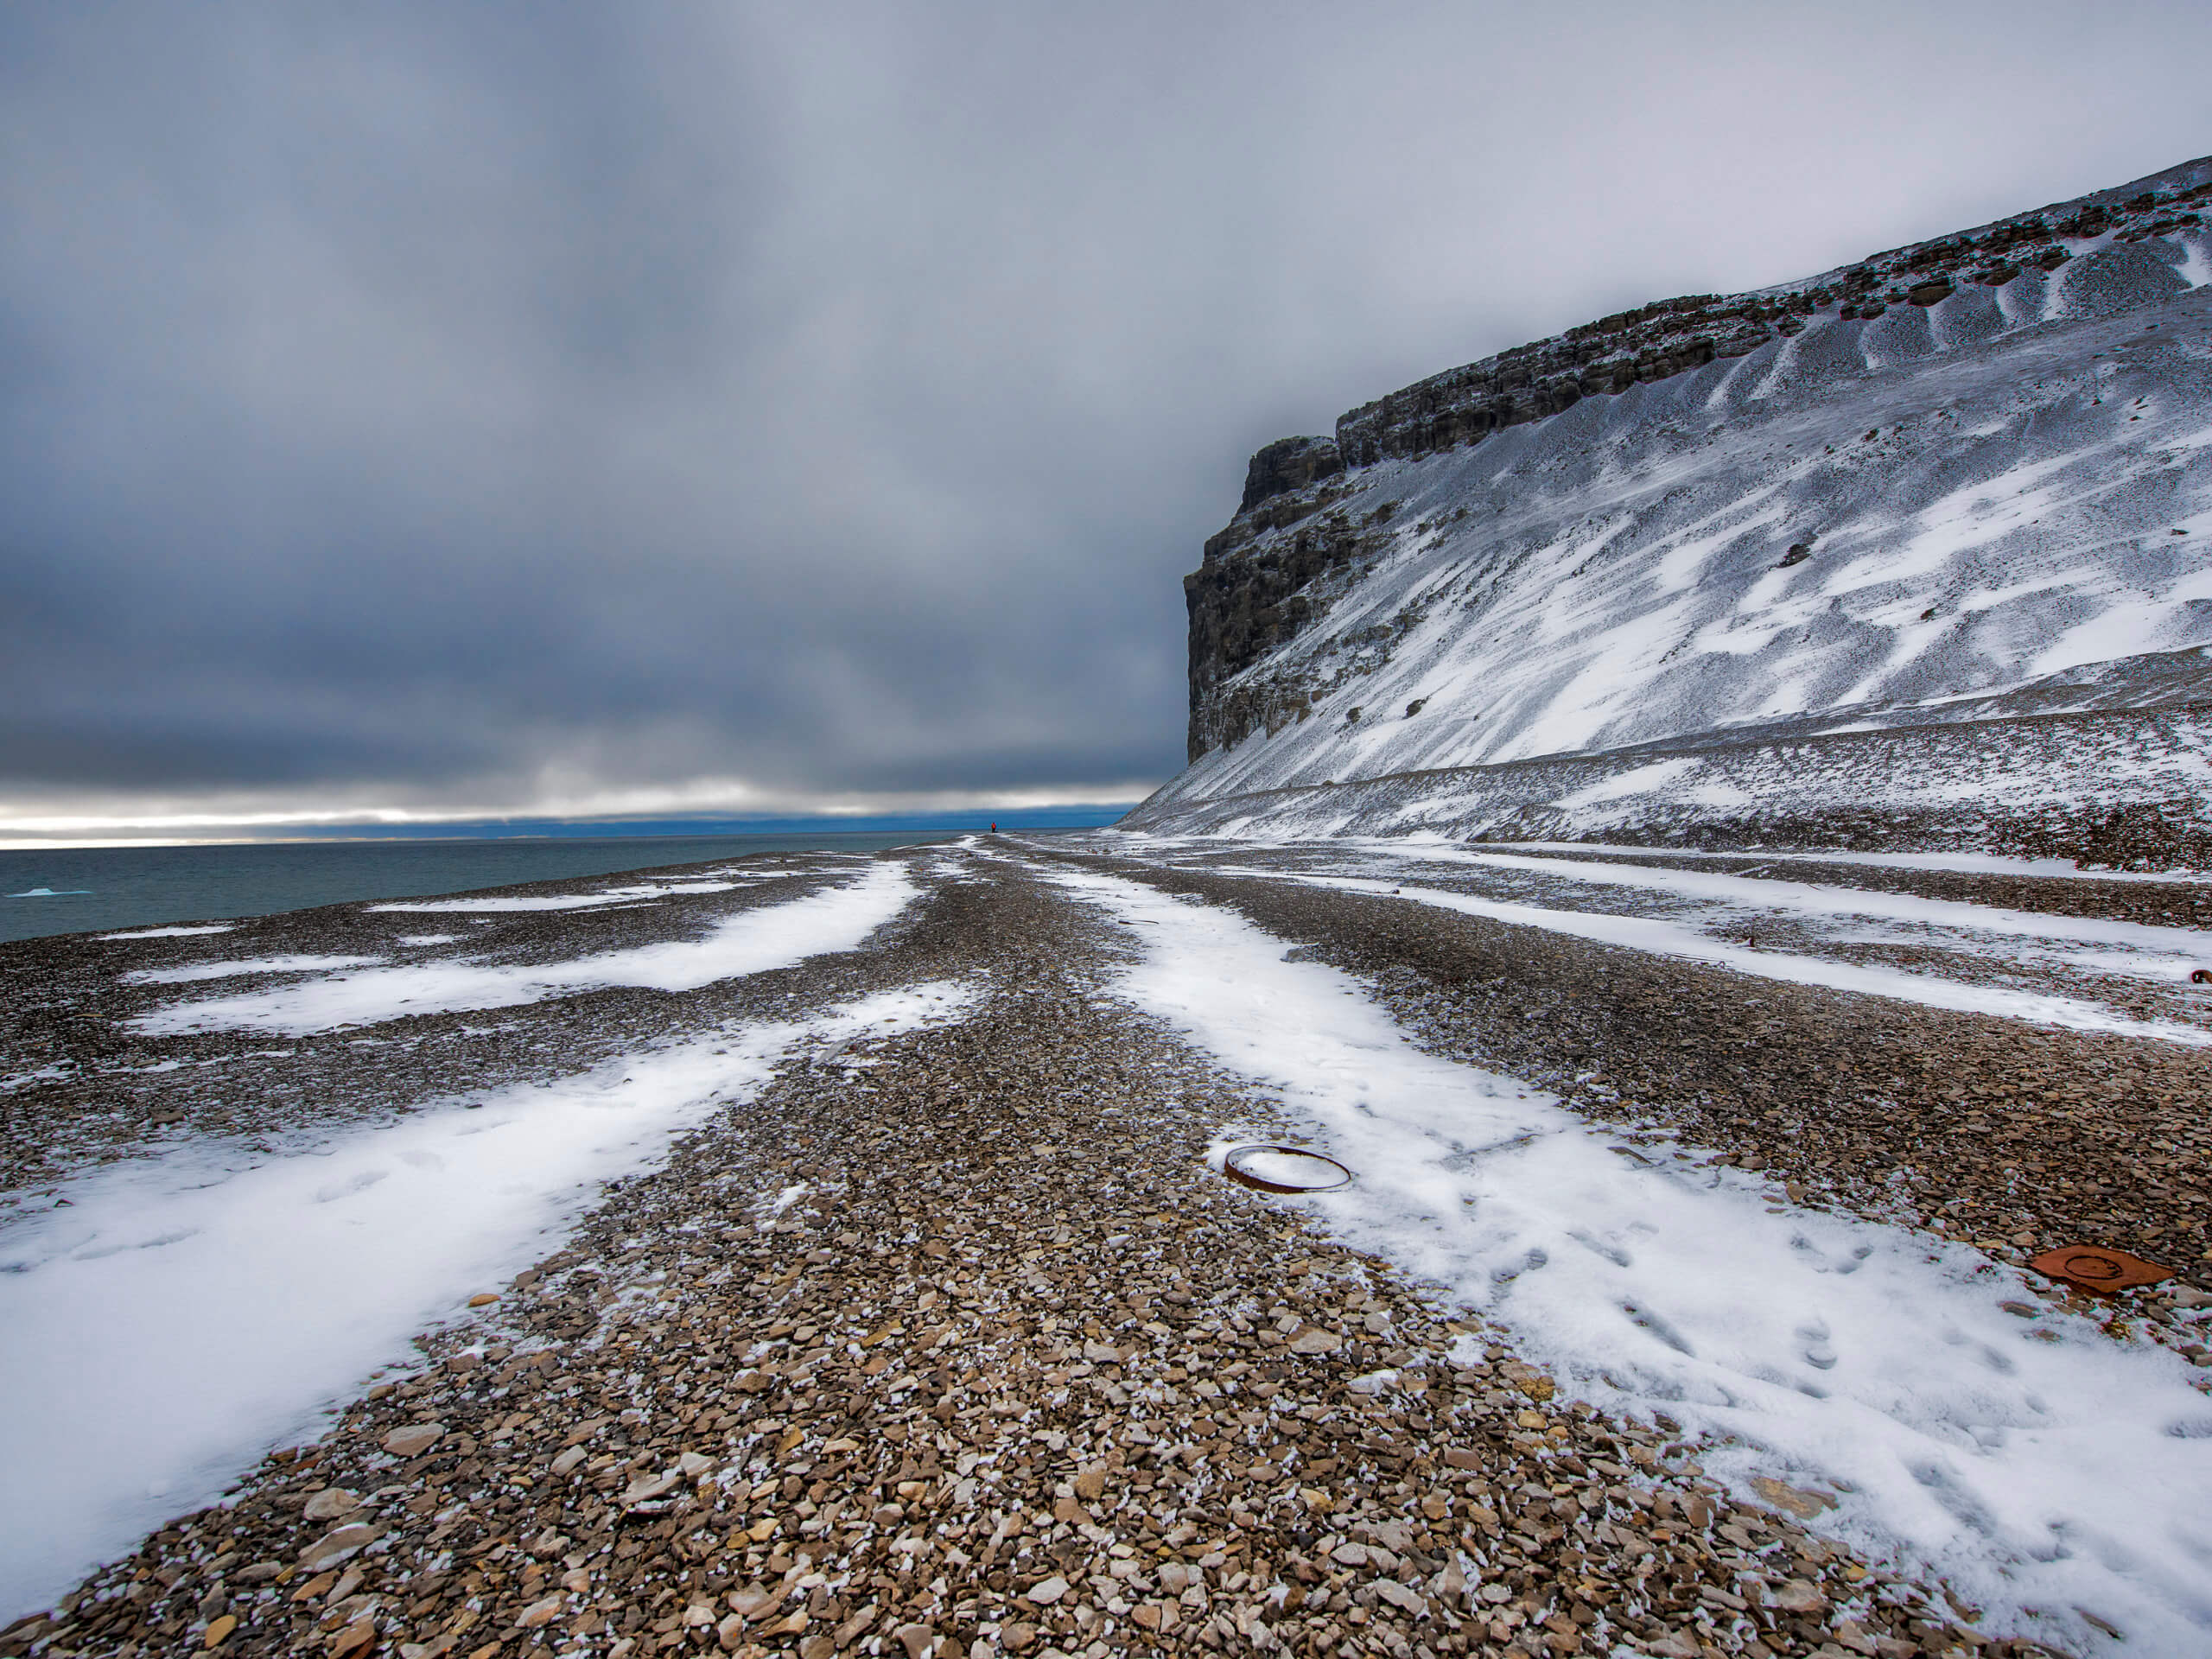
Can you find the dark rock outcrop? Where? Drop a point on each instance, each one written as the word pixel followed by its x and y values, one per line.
pixel 1244 604
pixel 1289 464
pixel 1531 381
pixel 1670 337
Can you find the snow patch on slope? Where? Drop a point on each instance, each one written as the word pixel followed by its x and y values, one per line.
pixel 1976 520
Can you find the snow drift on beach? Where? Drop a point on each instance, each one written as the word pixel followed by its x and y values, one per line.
pixel 1669 939
pixel 199 970
pixel 170 932
pixel 495 903
pixel 179 1319
pixel 2181 946
pixel 772 936
pixel 1962 863
pixel 2042 1467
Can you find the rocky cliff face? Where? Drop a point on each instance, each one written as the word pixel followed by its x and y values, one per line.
pixel 1670 337
pixel 1976 468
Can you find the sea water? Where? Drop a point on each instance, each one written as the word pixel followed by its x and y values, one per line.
pixel 98 888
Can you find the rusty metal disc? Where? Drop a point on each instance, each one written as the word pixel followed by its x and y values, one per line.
pixel 2097 1267
pixel 1284 1169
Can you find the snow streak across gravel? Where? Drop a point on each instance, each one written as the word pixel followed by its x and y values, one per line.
pixel 2040 1466
pixel 1673 939
pixel 292 964
pixel 559 901
pixel 1959 863
pixel 262 1291
pixel 747 943
pixel 170 932
pixel 2157 952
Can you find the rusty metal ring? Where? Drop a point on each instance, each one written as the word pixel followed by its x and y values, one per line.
pixel 2099 1268
pixel 1231 1167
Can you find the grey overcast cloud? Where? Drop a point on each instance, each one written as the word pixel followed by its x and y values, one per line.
pixel 442 410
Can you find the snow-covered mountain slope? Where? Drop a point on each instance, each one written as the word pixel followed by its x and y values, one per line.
pixel 1722 522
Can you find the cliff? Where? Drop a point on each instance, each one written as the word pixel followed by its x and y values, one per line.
pixel 1964 482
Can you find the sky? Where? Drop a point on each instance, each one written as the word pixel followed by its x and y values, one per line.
pixel 422 412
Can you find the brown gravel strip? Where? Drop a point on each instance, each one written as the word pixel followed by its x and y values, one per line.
pixel 2153 904
pixel 1012 1375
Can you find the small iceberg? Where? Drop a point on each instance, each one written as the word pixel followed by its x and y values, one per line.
pixel 53 892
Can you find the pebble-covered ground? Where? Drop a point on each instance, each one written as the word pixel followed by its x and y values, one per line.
pixel 951 1344
pixel 79 1085
pixel 2017 1138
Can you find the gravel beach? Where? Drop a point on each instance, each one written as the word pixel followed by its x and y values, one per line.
pixel 951 1342
pixel 2018 1139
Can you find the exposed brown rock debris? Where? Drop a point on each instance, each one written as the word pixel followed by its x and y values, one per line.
pixel 2017 1138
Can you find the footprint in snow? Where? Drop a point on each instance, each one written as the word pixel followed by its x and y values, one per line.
pixel 345 1189
pixel 1612 1252
pixel 1817 1351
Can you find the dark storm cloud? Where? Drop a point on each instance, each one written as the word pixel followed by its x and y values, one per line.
pixel 422 403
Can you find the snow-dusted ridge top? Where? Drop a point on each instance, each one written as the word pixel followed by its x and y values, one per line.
pixel 1967 480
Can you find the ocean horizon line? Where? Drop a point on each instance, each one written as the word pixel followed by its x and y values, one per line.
pixel 1077 817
